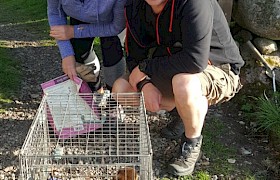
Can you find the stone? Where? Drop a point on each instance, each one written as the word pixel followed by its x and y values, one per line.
pixel 34 96
pixel 258 16
pixel 2 176
pixel 231 161
pixel 9 169
pixel 245 151
pixel 242 122
pixel 243 36
pixel 273 59
pixel 265 46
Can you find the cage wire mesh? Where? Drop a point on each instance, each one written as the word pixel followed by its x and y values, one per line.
pixel 88 136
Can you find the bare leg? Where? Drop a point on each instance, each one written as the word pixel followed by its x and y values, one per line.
pixel 122 86
pixel 190 103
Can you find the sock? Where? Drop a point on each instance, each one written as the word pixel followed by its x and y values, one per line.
pixel 192 141
pixel 174 112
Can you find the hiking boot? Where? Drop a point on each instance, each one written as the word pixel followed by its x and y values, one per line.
pixel 184 165
pixel 175 128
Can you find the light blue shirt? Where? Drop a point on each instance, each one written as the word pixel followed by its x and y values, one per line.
pixel 106 18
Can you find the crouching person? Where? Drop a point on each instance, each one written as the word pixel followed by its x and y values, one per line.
pixel 181 55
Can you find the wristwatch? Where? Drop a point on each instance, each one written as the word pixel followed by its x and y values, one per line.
pixel 142 83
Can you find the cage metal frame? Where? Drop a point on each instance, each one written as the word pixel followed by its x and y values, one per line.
pixel 117 145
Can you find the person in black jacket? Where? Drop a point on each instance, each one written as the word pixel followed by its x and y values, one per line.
pixel 181 55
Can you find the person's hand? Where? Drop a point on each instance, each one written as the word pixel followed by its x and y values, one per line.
pixel 86 72
pixel 68 66
pixel 136 76
pixel 152 97
pixel 62 32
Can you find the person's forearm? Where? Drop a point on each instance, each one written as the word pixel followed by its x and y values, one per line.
pixel 97 30
pixel 65 48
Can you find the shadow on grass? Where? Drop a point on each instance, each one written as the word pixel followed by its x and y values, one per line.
pixel 9 76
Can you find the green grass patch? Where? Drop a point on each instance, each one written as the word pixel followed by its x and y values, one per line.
pixel 200 175
pixel 219 153
pixel 21 11
pixel 196 176
pixel 215 150
pixel 27 15
pixel 9 77
pixel 268 113
pixel 97 48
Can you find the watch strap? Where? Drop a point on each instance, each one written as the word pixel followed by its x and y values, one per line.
pixel 142 83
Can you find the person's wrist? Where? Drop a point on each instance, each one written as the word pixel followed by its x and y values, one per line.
pixel 146 86
pixel 142 83
pixel 78 30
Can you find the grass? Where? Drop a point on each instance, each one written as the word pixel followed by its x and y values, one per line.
pixel 9 76
pixel 22 11
pixel 264 111
pixel 268 113
pixel 197 176
pixel 28 16
pixel 97 48
pixel 215 150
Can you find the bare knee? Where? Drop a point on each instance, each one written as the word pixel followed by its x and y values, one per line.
pixel 121 85
pixel 186 87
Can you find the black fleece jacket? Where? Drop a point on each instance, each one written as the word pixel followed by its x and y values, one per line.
pixel 181 39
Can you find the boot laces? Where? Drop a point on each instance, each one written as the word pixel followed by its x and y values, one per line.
pixel 186 149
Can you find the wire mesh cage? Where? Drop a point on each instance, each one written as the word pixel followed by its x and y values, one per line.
pixel 88 136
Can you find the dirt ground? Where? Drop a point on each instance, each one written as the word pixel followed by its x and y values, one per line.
pixel 40 64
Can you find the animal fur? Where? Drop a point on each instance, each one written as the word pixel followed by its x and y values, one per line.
pixel 127 173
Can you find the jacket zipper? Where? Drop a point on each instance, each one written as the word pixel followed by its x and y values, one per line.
pixel 157 32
